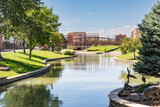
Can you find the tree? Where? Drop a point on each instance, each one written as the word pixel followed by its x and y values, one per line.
pixel 8 30
pixel 130 45
pixel 150 51
pixel 21 14
pixel 32 19
pixel 55 40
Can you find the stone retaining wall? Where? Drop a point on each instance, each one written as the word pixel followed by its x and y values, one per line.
pixel 116 101
pixel 124 61
pixel 5 80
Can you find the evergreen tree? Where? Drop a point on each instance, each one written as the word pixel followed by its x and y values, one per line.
pixel 150 51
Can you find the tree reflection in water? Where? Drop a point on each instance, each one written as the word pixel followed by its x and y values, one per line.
pixel 30 96
pixel 149 79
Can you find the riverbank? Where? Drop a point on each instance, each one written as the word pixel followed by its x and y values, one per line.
pixel 19 62
pixel 101 48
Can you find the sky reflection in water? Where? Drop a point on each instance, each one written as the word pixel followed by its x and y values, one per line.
pixel 84 81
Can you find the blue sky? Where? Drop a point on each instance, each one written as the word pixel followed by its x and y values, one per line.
pixel 107 17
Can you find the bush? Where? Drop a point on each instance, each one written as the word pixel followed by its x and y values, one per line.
pixel 68 52
pixel 142 87
pixel 70 47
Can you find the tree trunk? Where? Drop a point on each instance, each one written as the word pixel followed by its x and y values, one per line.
pixel 24 50
pixel 30 53
pixel 134 54
pixel 14 46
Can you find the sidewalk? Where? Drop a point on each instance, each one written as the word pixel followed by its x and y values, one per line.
pixel 11 50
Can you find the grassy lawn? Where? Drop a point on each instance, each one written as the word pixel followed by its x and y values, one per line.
pixel 20 63
pixel 128 56
pixel 101 48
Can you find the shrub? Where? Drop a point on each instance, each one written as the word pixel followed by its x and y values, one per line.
pixel 70 47
pixel 142 87
pixel 68 52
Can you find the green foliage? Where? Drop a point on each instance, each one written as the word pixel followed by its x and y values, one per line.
pixel 130 45
pixel 70 47
pixel 68 52
pixel 32 19
pixel 100 48
pixel 19 62
pixel 142 87
pixel 150 51
pixel 129 56
pixel 26 95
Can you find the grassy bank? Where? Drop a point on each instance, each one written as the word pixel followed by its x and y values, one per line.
pixel 20 63
pixel 128 56
pixel 101 48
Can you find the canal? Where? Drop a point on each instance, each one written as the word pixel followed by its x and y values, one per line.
pixel 84 81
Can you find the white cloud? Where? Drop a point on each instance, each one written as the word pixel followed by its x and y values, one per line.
pixel 115 31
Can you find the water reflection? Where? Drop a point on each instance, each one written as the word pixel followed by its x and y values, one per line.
pixel 84 81
pixel 91 62
pixel 30 96
pixel 149 79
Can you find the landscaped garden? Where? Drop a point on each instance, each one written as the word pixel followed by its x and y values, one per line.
pixel 129 56
pixel 20 63
pixel 100 48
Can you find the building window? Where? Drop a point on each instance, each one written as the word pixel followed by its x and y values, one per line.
pixel 80 35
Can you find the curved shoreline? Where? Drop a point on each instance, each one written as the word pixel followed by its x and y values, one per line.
pixel 124 61
pixel 116 101
pixel 5 80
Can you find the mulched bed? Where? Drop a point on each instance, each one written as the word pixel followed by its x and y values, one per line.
pixel 134 96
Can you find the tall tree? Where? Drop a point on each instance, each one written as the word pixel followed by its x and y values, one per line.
pixel 8 30
pixel 150 51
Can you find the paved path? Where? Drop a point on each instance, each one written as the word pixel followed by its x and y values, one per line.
pixel 11 50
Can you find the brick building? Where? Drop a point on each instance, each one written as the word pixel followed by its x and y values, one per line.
pixel 119 37
pixel 135 33
pixel 76 38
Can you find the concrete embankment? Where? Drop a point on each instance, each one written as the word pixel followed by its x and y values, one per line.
pixel 5 80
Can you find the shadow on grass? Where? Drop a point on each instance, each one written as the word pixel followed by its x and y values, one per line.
pixel 31 60
pixel 35 56
pixel 133 59
pixel 19 67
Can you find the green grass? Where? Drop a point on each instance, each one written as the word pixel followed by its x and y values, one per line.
pixel 20 63
pixel 101 48
pixel 128 56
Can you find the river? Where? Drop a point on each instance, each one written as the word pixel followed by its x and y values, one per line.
pixel 84 81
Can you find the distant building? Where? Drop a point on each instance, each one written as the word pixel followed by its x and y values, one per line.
pixel 76 38
pixel 135 33
pixel 19 44
pixel 85 39
pixel 119 37
pixel 8 43
pixel 92 35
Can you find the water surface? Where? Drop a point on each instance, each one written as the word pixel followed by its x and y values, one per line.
pixel 84 81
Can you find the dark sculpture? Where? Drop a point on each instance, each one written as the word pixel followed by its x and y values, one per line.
pixel 126 84
pixel 143 79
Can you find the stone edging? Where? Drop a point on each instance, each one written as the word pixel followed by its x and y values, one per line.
pixel 116 101
pixel 124 61
pixel 5 80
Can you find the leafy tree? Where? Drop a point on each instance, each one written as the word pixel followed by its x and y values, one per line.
pixel 8 30
pixel 150 51
pixel 130 45
pixel 36 23
pixel 30 96
pixel 16 12
pixel 55 40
